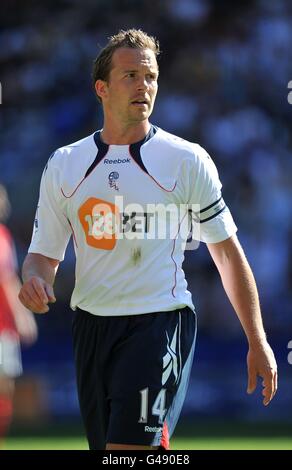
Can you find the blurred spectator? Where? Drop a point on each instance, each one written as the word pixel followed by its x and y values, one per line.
pixel 16 322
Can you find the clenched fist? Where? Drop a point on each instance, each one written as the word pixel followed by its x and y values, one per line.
pixel 36 294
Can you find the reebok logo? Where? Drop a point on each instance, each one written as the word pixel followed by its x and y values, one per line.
pixel 107 161
pixel 153 429
pixel 170 360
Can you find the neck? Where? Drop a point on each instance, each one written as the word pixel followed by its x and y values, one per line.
pixel 124 135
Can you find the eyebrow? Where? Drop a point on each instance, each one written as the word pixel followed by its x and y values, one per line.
pixel 136 70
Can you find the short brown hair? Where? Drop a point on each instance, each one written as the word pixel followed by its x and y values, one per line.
pixel 134 38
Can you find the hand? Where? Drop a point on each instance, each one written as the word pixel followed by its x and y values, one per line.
pixel 35 295
pixel 261 362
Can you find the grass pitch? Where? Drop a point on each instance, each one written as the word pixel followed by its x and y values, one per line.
pixel 179 443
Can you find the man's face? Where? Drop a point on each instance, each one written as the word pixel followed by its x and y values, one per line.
pixel 131 90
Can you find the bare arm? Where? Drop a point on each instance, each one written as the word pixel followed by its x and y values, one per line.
pixel 38 273
pixel 240 287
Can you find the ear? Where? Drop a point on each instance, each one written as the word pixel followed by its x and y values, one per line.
pixel 101 88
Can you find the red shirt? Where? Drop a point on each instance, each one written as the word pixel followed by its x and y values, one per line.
pixel 7 269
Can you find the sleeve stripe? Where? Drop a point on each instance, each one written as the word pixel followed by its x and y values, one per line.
pixel 211 205
pixel 214 215
pixel 209 212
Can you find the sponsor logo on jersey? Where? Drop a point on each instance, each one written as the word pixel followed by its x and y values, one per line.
pixel 105 222
pixel 108 161
pixel 112 179
pixel 99 222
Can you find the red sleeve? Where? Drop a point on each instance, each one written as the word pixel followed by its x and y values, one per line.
pixel 7 253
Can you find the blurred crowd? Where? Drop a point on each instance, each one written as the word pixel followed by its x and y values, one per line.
pixel 225 68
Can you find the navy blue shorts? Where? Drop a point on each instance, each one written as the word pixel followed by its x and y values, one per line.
pixel 132 375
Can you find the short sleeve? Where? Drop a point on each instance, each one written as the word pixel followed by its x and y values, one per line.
pixel 51 232
pixel 211 217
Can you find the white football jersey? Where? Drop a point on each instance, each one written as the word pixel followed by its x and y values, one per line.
pixel 128 208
